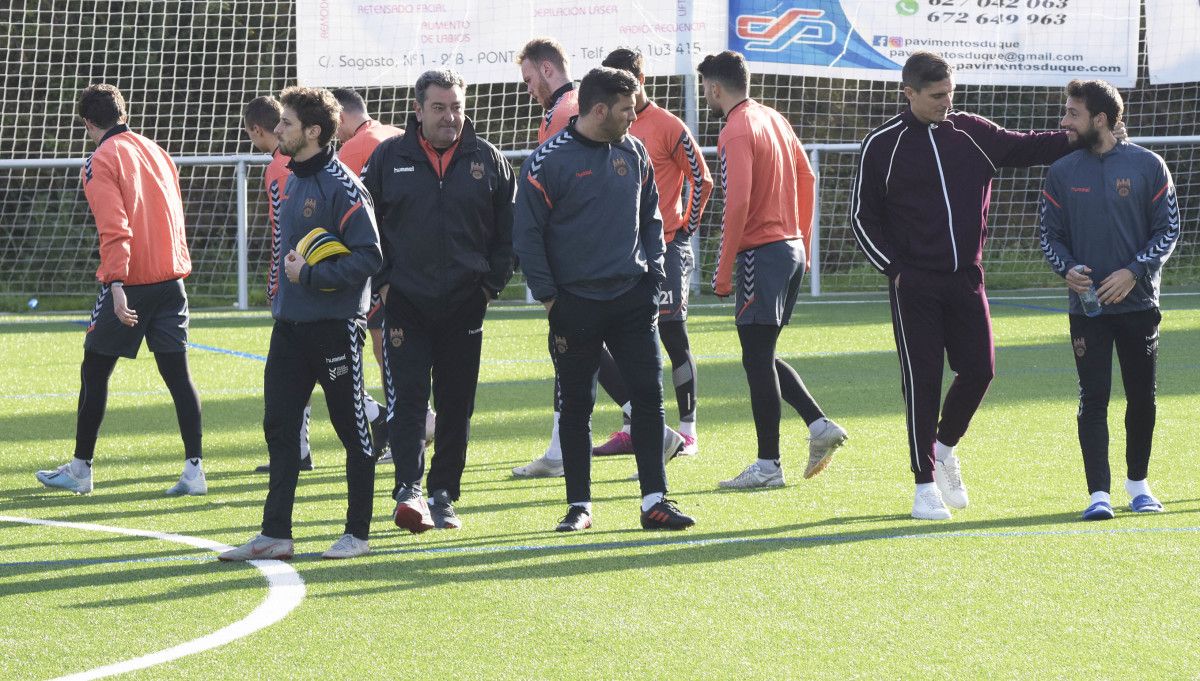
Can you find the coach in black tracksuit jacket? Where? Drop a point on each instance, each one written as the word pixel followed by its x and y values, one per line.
pixel 445 215
pixel 919 213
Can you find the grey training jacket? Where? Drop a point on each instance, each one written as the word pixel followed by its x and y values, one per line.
pixel 1111 211
pixel 587 218
pixel 322 192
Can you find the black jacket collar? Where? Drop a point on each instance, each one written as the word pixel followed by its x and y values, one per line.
pixel 589 142
pixel 559 93
pixel 113 131
pixel 311 166
pixel 735 107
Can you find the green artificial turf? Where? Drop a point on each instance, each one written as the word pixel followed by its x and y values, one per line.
pixel 824 578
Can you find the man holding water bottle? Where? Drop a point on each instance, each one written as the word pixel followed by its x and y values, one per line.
pixel 1109 220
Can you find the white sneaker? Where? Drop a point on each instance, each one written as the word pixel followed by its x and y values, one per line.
pixel 385 457
pixel 62 478
pixel 948 476
pixel 754 476
pixel 347 546
pixel 673 443
pixel 541 467
pixel 822 445
pixel 195 486
pixel 928 505
pixel 260 548
pixel 430 424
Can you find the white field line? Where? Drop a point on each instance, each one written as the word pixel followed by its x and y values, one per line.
pixel 285 591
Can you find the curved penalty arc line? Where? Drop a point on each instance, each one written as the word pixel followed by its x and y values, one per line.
pixel 285 591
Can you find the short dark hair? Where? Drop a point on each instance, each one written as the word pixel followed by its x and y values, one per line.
pixel 923 68
pixel 544 49
pixel 314 106
pixel 444 78
pixel 603 85
pixel 1100 98
pixel 350 100
pixel 102 105
pixel 263 112
pixel 727 68
pixel 625 60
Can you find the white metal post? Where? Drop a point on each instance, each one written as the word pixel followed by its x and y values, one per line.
pixel 691 117
pixel 814 281
pixel 243 230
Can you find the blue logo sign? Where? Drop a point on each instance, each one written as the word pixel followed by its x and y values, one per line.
pixel 815 32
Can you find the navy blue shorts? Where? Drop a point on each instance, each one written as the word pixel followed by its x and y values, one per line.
pixel 769 282
pixel 679 263
pixel 162 311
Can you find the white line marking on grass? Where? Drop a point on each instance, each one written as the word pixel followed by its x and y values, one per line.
pixel 285 591
pixel 805 539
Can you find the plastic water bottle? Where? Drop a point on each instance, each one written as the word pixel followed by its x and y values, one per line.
pixel 1089 299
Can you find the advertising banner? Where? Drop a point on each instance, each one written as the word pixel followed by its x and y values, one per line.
pixel 989 42
pixel 1173 40
pixel 364 43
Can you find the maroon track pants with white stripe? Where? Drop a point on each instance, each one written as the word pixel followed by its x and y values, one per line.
pixel 938 316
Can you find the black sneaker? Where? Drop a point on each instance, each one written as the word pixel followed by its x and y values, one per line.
pixel 577 518
pixel 379 434
pixel 442 511
pixel 666 516
pixel 306 464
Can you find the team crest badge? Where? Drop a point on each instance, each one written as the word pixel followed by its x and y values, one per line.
pixel 1123 186
pixel 560 344
pixel 310 205
pixel 1080 346
pixel 620 166
pixel 396 336
pixel 476 170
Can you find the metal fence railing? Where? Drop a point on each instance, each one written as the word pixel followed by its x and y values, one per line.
pixel 50 244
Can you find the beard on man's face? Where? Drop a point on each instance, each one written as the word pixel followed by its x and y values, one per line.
pixel 1087 139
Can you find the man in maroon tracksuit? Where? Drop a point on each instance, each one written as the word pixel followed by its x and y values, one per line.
pixel 919 213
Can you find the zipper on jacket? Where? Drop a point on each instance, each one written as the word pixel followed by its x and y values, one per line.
pixel 945 194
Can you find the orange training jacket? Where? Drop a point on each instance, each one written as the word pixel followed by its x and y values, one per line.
pixel 768 185
pixel 274 180
pixel 564 105
pixel 132 187
pixel 356 150
pixel 676 159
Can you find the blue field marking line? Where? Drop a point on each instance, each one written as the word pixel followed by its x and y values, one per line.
pixel 1022 306
pixel 209 348
pixel 648 543
pixel 223 351
pixel 1003 301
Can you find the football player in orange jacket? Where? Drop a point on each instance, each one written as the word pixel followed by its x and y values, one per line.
pixel 132 187
pixel 769 193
